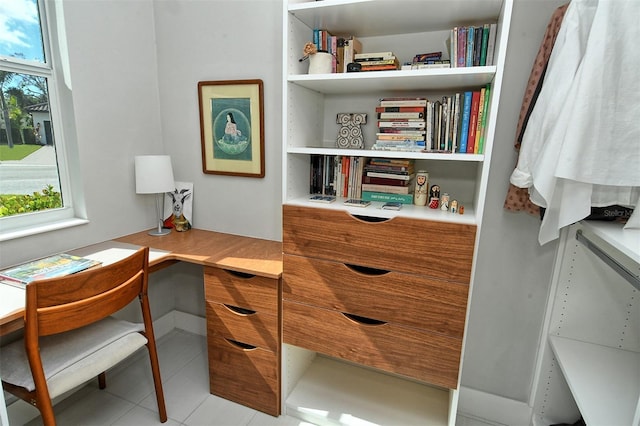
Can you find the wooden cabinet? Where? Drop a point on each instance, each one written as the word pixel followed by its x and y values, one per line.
pixel 243 338
pixel 407 319
pixel 589 360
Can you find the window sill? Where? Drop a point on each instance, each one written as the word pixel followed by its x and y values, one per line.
pixel 39 229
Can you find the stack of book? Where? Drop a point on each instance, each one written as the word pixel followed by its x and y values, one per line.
pixel 401 124
pixel 378 61
pixel 388 180
pixel 472 46
pixel 426 61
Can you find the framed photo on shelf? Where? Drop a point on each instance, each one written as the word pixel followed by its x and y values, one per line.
pixel 232 127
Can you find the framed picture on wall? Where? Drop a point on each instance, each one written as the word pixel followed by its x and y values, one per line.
pixel 232 127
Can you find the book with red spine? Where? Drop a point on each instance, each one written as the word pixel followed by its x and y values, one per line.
pixel 473 121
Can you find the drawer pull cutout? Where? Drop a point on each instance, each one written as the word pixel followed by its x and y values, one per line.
pixel 366 270
pixel 370 219
pixel 243 346
pixel 239 310
pixel 239 274
pixel 363 320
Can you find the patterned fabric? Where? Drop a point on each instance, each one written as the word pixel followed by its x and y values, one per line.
pixel 517 199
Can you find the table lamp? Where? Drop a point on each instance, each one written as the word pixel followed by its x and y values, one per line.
pixel 154 175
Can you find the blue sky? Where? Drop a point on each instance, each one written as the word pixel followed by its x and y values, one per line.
pixel 20 29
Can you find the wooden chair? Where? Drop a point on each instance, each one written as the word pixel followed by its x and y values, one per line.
pixel 70 337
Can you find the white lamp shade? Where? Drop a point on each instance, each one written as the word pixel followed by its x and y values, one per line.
pixel 154 174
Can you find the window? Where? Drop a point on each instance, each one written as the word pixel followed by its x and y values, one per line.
pixel 36 192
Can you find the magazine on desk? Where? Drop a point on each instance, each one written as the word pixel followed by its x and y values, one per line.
pixel 49 267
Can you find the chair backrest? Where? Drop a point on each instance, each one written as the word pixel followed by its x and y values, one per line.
pixel 61 304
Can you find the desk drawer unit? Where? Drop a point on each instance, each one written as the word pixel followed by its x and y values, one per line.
pixel 247 374
pixel 391 294
pixel 243 336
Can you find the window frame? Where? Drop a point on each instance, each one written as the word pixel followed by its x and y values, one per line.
pixel 55 69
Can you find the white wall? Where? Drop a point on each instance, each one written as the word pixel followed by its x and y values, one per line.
pixel 513 273
pixel 115 97
pixel 221 40
pixel 135 67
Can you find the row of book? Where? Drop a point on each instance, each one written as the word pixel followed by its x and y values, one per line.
pixel 457 123
pixel 472 46
pixel 336 175
pixel 342 48
pixel 469 46
pixel 369 179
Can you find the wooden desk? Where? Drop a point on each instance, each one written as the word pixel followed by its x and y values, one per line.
pixel 241 275
pixel 208 248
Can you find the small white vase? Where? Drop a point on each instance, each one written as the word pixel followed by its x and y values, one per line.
pixel 320 63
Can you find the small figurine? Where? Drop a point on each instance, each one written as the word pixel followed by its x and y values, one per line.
pixel 434 196
pixel 454 206
pixel 444 202
pixel 420 193
pixel 461 209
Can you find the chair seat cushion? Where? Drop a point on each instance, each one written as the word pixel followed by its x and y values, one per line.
pixel 70 359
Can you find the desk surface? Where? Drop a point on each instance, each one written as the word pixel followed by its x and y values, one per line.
pixel 208 248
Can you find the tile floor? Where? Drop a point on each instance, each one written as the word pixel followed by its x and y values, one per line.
pixel 129 400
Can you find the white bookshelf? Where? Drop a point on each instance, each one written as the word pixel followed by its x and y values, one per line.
pixel 310 103
pixel 407 27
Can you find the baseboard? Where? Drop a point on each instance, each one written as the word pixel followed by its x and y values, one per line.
pixel 472 403
pixel 181 320
pixel 493 408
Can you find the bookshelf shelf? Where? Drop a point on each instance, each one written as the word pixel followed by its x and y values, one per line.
pixel 398 81
pixel 392 17
pixel 375 210
pixel 474 158
pixel 311 104
pixel 604 381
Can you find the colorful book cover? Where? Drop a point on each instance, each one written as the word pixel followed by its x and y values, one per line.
pixel 470 47
pixel 479 121
pixel 473 121
pixel 464 125
pixel 385 197
pixel 485 42
pixel 49 267
pixel 462 43
pixel 484 119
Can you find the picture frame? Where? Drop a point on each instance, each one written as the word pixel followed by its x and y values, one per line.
pixel 232 127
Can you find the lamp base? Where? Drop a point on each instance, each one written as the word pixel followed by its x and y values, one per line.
pixel 159 232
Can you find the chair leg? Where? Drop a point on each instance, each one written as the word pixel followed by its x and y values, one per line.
pixel 102 380
pixel 157 381
pixel 46 411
